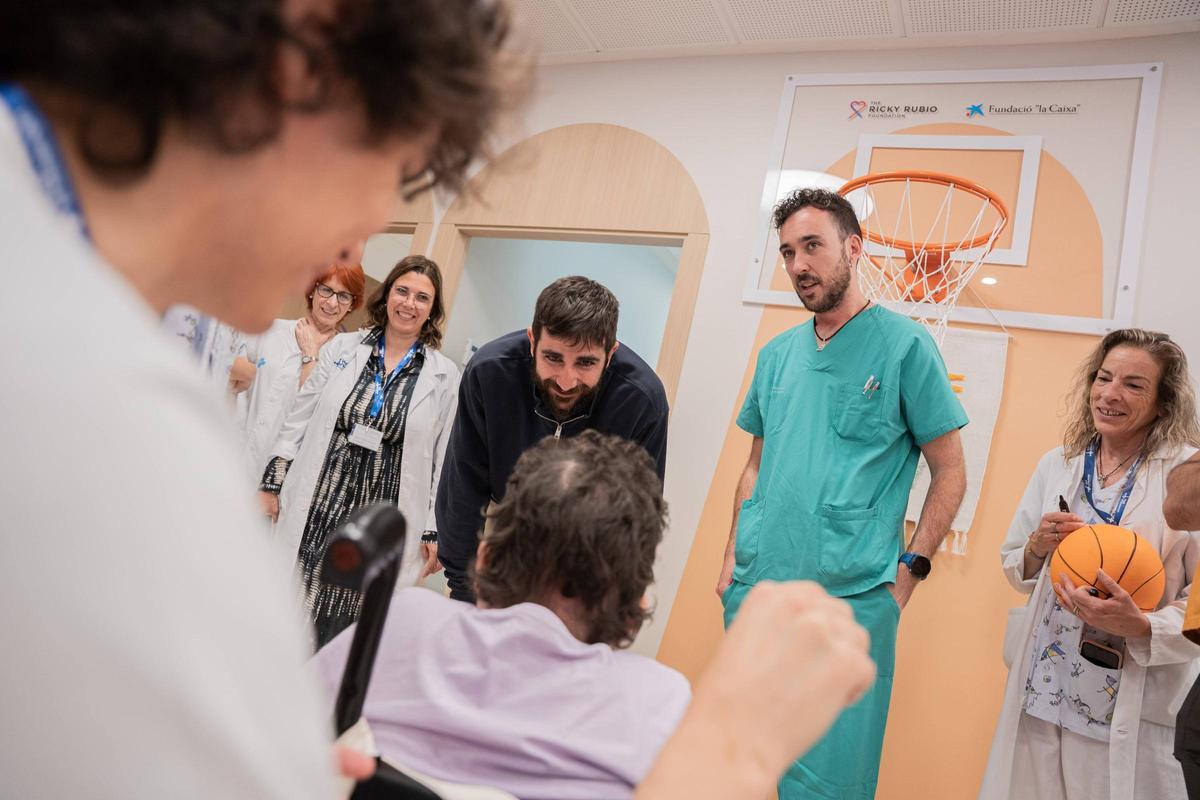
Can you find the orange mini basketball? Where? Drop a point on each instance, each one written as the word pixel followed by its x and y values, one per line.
pixel 1123 555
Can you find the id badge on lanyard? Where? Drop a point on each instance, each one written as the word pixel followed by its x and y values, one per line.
pixel 41 148
pixel 365 435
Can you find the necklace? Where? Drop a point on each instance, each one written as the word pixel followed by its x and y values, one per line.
pixel 1104 476
pixel 824 340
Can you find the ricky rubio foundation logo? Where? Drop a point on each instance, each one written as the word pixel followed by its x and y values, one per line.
pixel 877 109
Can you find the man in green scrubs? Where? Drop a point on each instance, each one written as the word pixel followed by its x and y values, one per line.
pixel 840 409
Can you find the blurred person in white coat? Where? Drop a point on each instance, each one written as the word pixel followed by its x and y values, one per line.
pixel 148 153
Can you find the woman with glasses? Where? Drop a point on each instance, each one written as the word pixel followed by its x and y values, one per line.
pixel 370 424
pixel 1094 683
pixel 284 357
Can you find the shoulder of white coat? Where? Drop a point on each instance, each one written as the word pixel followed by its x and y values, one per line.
pixel 1053 459
pixel 1173 456
pixel 351 338
pixel 441 364
pixel 280 331
pixel 283 326
pixel 343 345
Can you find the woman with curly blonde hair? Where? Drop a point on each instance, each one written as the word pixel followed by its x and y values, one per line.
pixel 1074 725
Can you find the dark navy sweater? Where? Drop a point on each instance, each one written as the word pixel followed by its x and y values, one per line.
pixel 500 415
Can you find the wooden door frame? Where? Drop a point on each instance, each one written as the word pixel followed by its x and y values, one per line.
pixel 453 241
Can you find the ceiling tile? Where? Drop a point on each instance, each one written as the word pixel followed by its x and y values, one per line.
pixel 553 28
pixel 1151 12
pixel 780 20
pixel 968 16
pixel 627 24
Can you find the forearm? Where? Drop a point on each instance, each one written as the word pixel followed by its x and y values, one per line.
pixel 455 560
pixel 656 445
pixel 458 534
pixel 295 425
pixel 1166 642
pixel 241 375
pixel 305 371
pixel 745 488
pixel 274 475
pixel 441 447
pixel 1031 562
pixel 947 486
pixel 789 664
pixel 702 761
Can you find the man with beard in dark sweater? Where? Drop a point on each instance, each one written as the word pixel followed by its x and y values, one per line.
pixel 563 375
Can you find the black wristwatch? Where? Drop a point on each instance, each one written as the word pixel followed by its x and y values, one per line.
pixel 917 564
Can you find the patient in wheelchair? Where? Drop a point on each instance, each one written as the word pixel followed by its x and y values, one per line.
pixel 531 690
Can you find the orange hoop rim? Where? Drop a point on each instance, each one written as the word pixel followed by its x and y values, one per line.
pixel 937 178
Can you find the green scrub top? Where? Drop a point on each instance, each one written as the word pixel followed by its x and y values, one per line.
pixel 838 454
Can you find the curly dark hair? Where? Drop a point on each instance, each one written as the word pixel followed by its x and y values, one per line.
pixel 824 199
pixel 431 331
pixel 130 66
pixel 582 516
pixel 579 310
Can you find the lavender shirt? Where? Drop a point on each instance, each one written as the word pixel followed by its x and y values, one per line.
pixel 509 698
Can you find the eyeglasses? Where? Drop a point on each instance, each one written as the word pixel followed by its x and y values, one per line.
pixel 345 298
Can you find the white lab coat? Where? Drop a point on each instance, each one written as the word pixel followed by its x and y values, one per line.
pixel 1157 671
pixel 151 648
pixel 264 406
pixel 309 426
pixel 221 346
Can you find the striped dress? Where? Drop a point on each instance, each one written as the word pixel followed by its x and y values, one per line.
pixel 351 477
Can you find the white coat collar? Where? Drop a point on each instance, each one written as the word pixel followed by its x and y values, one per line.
pixel 432 373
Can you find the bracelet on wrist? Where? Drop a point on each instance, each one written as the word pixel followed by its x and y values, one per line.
pixel 1031 551
pixel 429 537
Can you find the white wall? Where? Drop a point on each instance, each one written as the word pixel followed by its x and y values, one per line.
pixel 383 251
pixel 503 277
pixel 717 115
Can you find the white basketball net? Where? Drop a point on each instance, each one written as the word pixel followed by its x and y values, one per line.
pixel 923 241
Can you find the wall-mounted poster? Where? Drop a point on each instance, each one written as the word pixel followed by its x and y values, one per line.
pixel 1066 149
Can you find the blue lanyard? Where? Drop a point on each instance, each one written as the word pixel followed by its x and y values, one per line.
pixel 1089 476
pixel 377 398
pixel 43 153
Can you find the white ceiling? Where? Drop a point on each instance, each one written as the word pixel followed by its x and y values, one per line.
pixel 573 31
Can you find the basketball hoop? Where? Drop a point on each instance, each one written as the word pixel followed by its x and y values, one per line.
pixel 926 234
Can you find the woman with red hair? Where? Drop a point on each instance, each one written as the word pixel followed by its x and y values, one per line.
pixel 284 356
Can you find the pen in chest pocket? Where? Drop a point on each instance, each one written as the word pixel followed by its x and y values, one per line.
pixel 870 387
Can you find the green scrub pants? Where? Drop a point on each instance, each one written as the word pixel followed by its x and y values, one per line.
pixel 844 765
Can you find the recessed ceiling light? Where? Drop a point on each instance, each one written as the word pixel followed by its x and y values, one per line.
pixel 988 281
